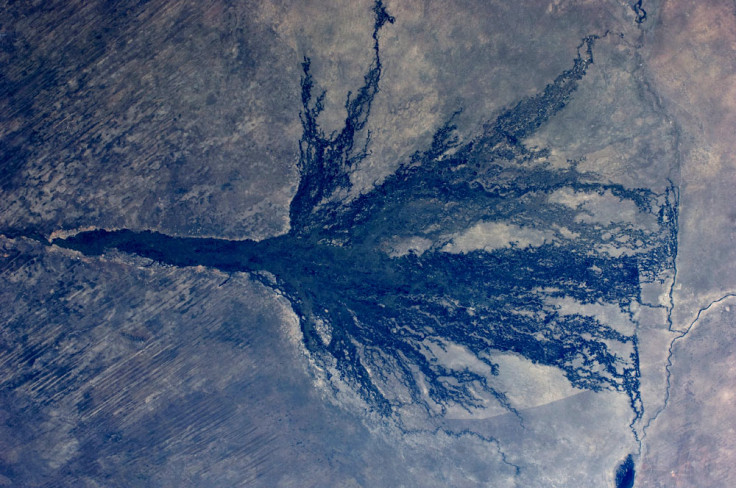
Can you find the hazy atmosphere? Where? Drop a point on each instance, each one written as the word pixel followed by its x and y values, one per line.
pixel 367 243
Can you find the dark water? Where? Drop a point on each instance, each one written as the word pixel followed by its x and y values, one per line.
pixel 641 14
pixel 384 309
pixel 625 473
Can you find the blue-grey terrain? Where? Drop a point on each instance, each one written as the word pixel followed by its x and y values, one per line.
pixel 386 272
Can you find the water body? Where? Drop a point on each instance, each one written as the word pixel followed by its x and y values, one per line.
pixel 382 316
pixel 625 473
pixel 641 14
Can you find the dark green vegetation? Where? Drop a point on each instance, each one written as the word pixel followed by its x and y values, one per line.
pixel 387 315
